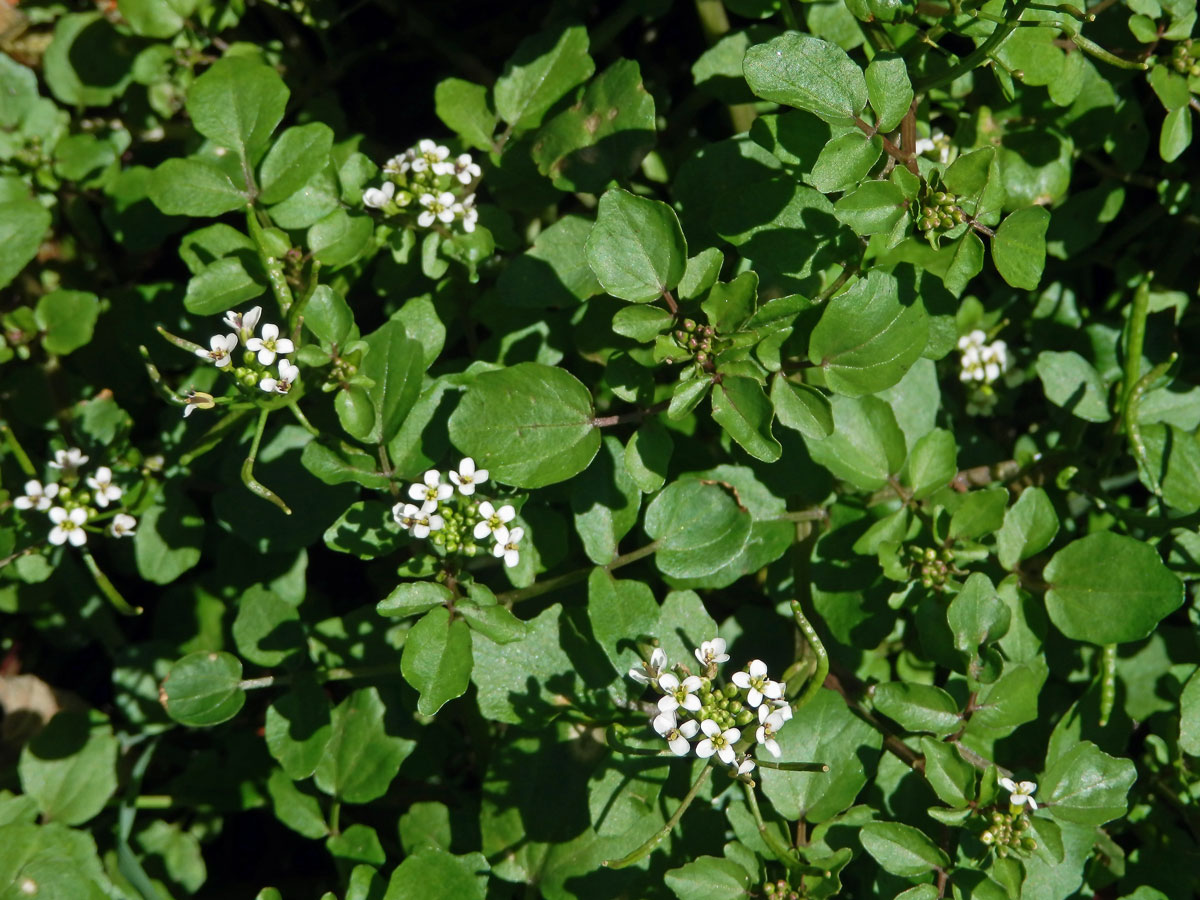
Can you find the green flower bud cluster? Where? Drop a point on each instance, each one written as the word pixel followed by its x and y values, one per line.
pixel 697 341
pixel 1006 835
pixel 1183 58
pixel 456 534
pixel 934 565
pixel 940 212
pixel 723 705
pixel 780 890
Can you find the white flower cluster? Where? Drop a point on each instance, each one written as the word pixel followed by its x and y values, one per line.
pixel 694 706
pixel 68 511
pixel 426 173
pixel 451 524
pixel 1021 793
pixel 937 145
pixel 264 349
pixel 982 363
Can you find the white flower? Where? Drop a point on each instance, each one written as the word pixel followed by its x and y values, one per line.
pixel 379 197
pixel 493 521
pixel 102 487
pixel 677 736
pixel 770 721
pixel 68 526
pixel 269 344
pixel 288 373
pixel 244 322
pixel 432 492
pixel 508 549
pixel 466 170
pixel 745 766
pixel 68 460
pixel 648 672
pixel 197 400
pixel 466 211
pixel 431 156
pixel 440 207
pixel 717 741
pixel 757 683
pixel 36 496
pixel 467 476
pixel 122 525
pixel 712 652
pixel 982 362
pixel 1021 791
pixel 420 520
pixel 401 163
pixel 678 693
pixel 222 345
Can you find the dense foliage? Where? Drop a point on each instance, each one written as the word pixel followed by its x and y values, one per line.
pixel 599 450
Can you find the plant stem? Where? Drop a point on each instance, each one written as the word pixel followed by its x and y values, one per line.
pixel 649 846
pixel 1108 682
pixel 338 673
pixel 635 416
pixel 248 479
pixel 981 53
pixel 1135 340
pixel 18 451
pixel 782 853
pixel 106 587
pixel 552 584
pixel 817 680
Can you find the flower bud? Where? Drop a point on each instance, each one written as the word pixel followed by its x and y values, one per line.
pixel 730 690
pixel 744 718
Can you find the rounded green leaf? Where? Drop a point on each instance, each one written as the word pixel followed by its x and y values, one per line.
pixel 191 187
pixel 1109 589
pixel 67 319
pixel 709 878
pixel 362 757
pixel 204 688
pixel 866 446
pixel 544 67
pixel 221 285
pixel 801 407
pixel 433 874
pixel 1087 786
pixel 636 249
pixel 1071 382
pixel 463 108
pixel 530 425
pixel 1189 716
pixel 1029 526
pixel 23 222
pixel 296 156
pixel 70 769
pixel 237 103
pixel 845 161
pixel 156 18
pixel 889 89
pixel 933 463
pixel 698 527
pixel 1019 247
pixel 872 208
pixel 437 659
pixel 267 629
pixel 297 728
pixel 902 849
pixel 918 707
pixel 741 407
pixel 808 73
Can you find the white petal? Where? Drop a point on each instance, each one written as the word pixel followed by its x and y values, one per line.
pixel 77 537
pixel 726 755
pixel 417 492
pixel 692 683
pixel 773 689
pixel 760 735
pixel 425 219
pixel 700 656
pixel 432 478
pixel 445 491
pixel 486 509
pixel 1032 804
pixel 270 331
pixel 58 515
pixel 1008 784
pixel 710 727
pixel 284 345
pixel 515 535
pixel 680 746
pixel 58 535
pixel 663 723
pixel 772 746
pixel 639 676
pixel 1027 787
pixel 668 681
pixel 758 668
pixel 506 513
pixel 692 702
pixel 705 749
pixel 658 657
pixel 690 728
pixel 481 530
pixel 667 704
pixel 733 735
pixel 512 557
pixel 754 697
pixel 467 466
pixel 741 679
pixel 481 475
pixel 420 530
pixel 436 523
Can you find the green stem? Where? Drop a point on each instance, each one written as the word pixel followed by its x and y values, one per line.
pixel 1135 339
pixel 303 420
pixel 273 267
pixel 335 816
pixel 793 766
pixel 818 648
pixel 19 452
pixel 215 435
pixel 782 853
pixel 646 848
pixel 611 737
pixel 976 58
pixel 1133 429
pixel 106 587
pixel 1093 49
pixel 248 479
pixel 338 673
pixel 553 584
pixel 1108 682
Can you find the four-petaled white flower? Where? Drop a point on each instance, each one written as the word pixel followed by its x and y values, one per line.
pixel 982 362
pixel 494 521
pixel 757 683
pixel 36 496
pixel 68 526
pixel 468 477
pixel 269 344
pixel 432 492
pixel 221 346
pixel 68 460
pixel 288 373
pixel 400 163
pixel 770 721
pixel 508 549
pixel 676 735
pixel 122 525
pixel 406 514
pixel 440 207
pixel 431 156
pixel 717 741
pixel 745 766
pixel 712 652
pixel 465 210
pixel 678 693
pixel 244 322
pixel 102 487
pixel 379 197
pixel 466 169
pixel 648 672
pixel 1021 791
pixel 421 520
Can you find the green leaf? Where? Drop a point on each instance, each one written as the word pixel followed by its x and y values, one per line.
pixel 339 238
pixel 156 18
pixel 412 598
pixel 23 223
pixel 636 248
pixel 1189 716
pixel 709 878
pixel 951 777
pixel 333 467
pixel 1087 786
pixel 889 90
pixel 603 136
pixel 67 319
pixel 965 263
pixel 237 103
pixel 808 73
pixel 433 874
pixel 89 62
pixel 902 849
pixel 70 769
pixel 698 528
pixel 701 273
pixel 872 208
pixel 979 514
pixel 328 315
pixel 463 108
pixel 361 758
pixel 641 323
pixel 933 463
pixel 801 407
pixel 544 67
pixel 866 445
pixel 1030 526
pixel 867 339
pixel 974 178
pixel 605 503
pixel 530 425
pixel 1071 382
pixel 1109 589
pixel 729 306
pixel 179 850
pixel 297 810
pixel 297 728
pixel 741 407
pixel 554 271
pixel 221 285
pixel 648 455
pixel 1019 247
pixel 204 688
pixel 977 616
pixel 296 156
pixel 620 611
pixel 491 619
pixel 1172 466
pixel 167 544
pixel 267 630
pixel 396 365
pixel 1176 134
pixel 437 659
pixel 845 161
pixel 918 707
